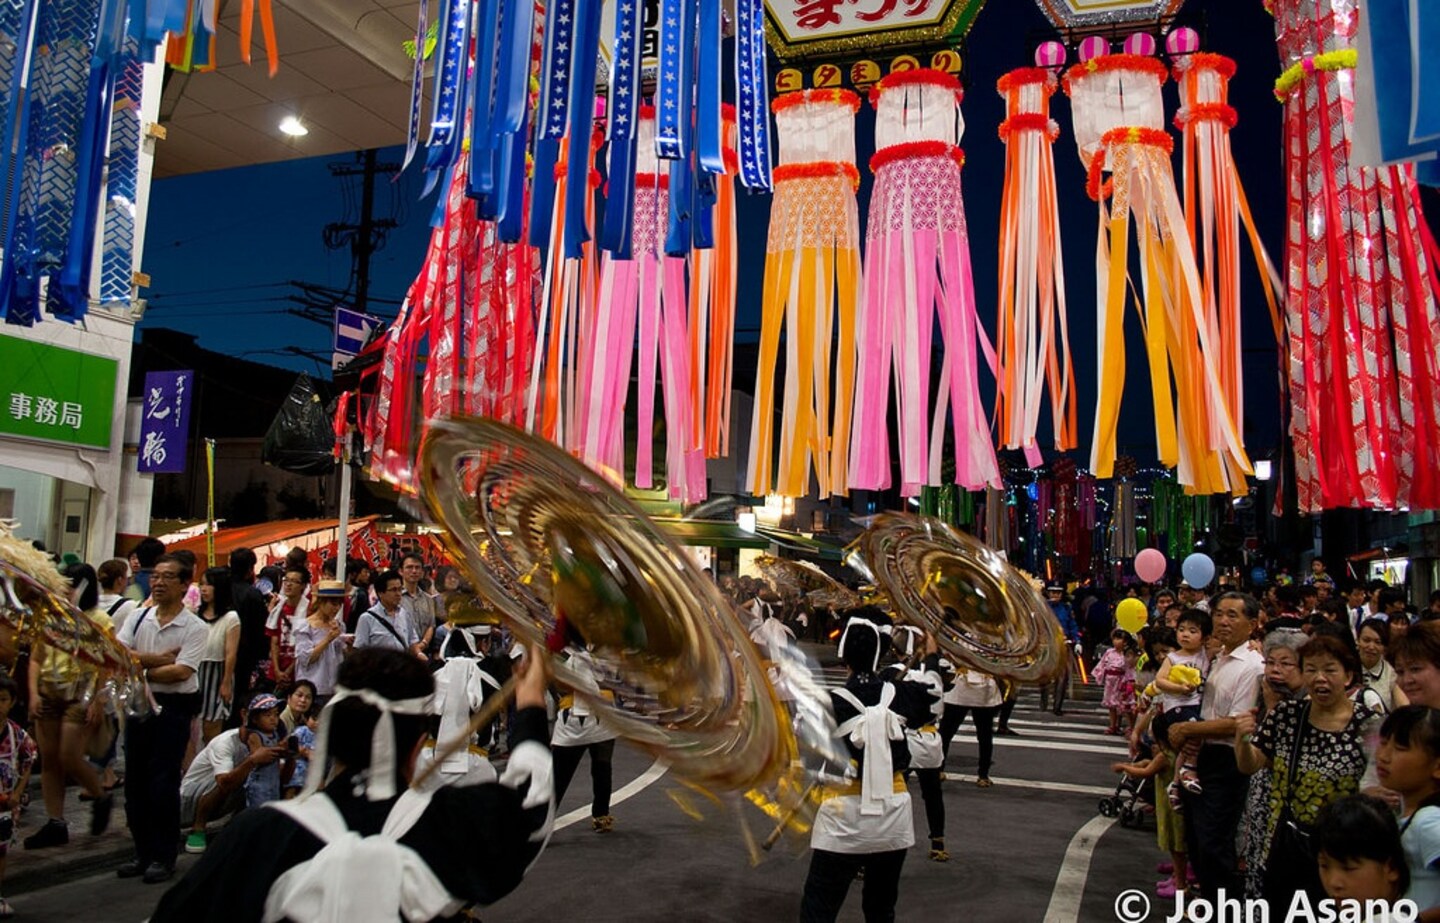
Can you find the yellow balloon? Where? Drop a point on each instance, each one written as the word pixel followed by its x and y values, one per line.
pixel 1131 615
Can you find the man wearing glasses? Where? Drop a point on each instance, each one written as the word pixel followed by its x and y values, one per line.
pixel 290 610
pixel 168 641
pixel 422 608
pixel 386 623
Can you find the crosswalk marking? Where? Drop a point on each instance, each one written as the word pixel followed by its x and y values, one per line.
pixel 1069 788
pixel 1032 744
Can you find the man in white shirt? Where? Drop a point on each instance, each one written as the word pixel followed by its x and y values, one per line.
pixel 168 641
pixel 386 624
pixel 1232 688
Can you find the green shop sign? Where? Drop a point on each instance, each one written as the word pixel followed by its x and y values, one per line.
pixel 49 392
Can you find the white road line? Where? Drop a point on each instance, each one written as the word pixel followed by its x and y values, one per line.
pixel 1046 725
pixel 1068 788
pixel 1057 732
pixel 1030 744
pixel 1070 883
pixel 628 791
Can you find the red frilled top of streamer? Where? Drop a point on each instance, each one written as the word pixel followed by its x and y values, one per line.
pixel 801 97
pixel 1205 60
pixel 920 76
pixel 910 149
pixel 1116 62
pixel 1024 76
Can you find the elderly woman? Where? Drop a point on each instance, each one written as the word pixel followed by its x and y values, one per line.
pixel 1283 682
pixel 1315 750
pixel 1376 673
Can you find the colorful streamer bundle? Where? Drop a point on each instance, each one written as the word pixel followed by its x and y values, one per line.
pixel 1216 207
pixel 1118 114
pixel 918 254
pixel 1361 288
pixel 812 272
pixel 1032 273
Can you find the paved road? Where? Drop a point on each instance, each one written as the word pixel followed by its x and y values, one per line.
pixel 1030 849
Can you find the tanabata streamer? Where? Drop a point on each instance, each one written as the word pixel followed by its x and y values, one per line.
pixel 1032 319
pixel 918 257
pixel 1361 288
pixel 1216 208
pixel 1118 115
pixel 812 276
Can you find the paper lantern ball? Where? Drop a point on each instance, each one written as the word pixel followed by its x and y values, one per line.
pixel 1050 54
pixel 1094 47
pixel 1141 43
pixel 1131 615
pixel 1184 40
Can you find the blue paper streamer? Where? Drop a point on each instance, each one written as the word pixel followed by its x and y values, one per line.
pixel 18 22
pixel 751 78
pixel 117 260
pixel 450 84
pixel 417 86
pixel 510 219
pixel 616 233
pixel 551 118
pixel 709 133
pixel 672 94
pixel 582 114
pixel 483 147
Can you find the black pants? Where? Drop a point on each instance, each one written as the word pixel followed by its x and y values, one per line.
pixel 984 730
pixel 567 760
pixel 1007 707
pixel 934 801
pixel 1059 689
pixel 829 881
pixel 154 749
pixel 1212 817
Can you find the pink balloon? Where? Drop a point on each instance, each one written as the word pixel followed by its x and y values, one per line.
pixel 1184 40
pixel 1050 54
pixel 1150 565
pixel 1141 43
pixel 1093 47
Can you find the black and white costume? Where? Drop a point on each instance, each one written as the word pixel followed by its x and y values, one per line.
pixel 864 820
pixel 467 678
pixel 356 848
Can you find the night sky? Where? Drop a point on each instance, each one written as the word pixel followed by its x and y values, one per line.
pixel 221 246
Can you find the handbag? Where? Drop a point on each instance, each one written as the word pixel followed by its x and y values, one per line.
pixel 1292 864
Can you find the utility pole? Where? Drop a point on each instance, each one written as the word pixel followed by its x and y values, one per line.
pixel 368 234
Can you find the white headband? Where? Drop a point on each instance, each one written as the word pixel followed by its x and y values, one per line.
pixel 910 633
pixel 878 629
pixel 380 780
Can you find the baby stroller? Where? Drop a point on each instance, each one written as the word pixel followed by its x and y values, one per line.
pixel 1130 801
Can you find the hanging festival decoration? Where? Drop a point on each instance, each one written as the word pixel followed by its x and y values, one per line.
pixel 1033 319
pixel 918 254
pixel 1361 288
pixel 1216 207
pixel 1397 86
pixel 1081 15
pixel 1118 113
pixel 812 277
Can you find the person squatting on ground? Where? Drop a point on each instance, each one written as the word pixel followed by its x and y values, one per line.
pixel 360 843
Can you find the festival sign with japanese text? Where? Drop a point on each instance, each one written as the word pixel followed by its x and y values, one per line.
pixel 56 394
pixel 164 421
pixel 847 28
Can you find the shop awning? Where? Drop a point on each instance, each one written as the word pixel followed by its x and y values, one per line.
pixel 711 534
pixel 810 547
pixel 303 533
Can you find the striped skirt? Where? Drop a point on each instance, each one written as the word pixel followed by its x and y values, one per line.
pixel 212 707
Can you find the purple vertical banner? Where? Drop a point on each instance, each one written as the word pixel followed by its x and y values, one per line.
pixel 164 421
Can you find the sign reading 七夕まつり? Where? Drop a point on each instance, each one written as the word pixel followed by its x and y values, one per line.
pixel 800 29
pixel 50 392
pixel 165 421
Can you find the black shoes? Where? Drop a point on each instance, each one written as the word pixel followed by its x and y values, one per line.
pixel 131 869
pixel 54 833
pixel 100 810
pixel 1007 732
pixel 156 873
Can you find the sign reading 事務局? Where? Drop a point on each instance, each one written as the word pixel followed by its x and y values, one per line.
pixel 57 394
pixel 164 421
